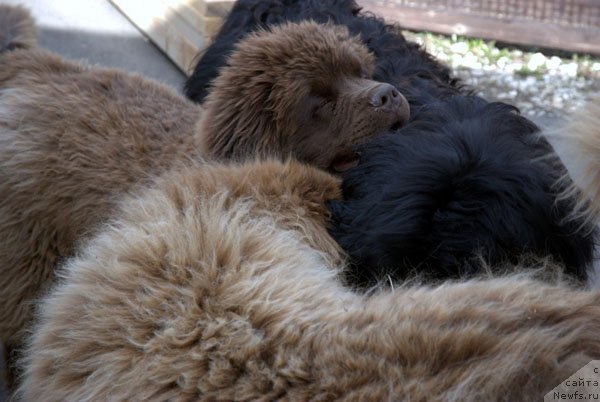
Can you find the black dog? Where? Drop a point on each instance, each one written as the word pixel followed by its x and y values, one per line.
pixel 413 71
pixel 466 178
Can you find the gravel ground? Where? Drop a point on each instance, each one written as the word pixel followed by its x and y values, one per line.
pixel 542 85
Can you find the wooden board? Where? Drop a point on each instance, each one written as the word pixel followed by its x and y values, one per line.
pixel 183 28
pixel 180 28
pixel 523 32
pixel 205 24
pixel 211 8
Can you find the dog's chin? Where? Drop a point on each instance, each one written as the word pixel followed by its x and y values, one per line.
pixel 396 126
pixel 400 120
pixel 348 159
pixel 345 161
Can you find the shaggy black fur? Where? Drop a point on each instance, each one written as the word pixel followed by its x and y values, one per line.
pixel 414 72
pixel 464 177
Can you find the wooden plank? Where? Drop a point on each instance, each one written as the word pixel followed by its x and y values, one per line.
pixel 211 8
pixel 166 29
pixel 523 32
pixel 208 25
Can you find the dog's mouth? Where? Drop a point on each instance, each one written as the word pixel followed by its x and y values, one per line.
pixel 345 161
pixel 397 125
pixel 401 115
pixel 401 119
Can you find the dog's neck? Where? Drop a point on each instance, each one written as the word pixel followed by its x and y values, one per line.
pixel 294 195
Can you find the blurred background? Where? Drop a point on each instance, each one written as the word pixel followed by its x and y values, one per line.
pixel 542 56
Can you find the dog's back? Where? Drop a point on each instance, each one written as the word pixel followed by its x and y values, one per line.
pixel 198 291
pixel 72 139
pixel 466 181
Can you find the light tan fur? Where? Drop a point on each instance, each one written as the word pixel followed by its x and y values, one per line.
pixel 578 145
pixel 207 287
pixel 73 138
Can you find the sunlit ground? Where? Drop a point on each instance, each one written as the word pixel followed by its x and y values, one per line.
pixel 543 85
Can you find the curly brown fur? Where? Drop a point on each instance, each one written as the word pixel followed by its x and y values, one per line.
pixel 201 291
pixel 578 144
pixel 71 139
pixel 74 137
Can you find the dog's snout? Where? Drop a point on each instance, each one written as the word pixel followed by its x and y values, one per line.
pixel 386 98
pixel 384 95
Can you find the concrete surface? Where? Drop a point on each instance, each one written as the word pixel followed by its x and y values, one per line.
pixel 95 31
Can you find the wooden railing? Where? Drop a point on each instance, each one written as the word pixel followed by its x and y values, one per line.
pixel 182 28
pixel 572 25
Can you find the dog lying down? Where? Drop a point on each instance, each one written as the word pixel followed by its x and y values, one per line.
pixel 465 181
pixel 389 223
pixel 216 283
pixel 418 76
pixel 73 138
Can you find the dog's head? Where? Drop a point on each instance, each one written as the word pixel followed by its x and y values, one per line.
pixel 302 90
pixel 466 179
pixel 247 16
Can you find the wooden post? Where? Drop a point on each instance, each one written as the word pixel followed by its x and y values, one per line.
pixel 580 38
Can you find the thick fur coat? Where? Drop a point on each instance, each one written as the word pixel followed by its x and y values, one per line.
pixel 216 284
pixel 74 138
pixel 466 181
pixel 414 72
pixel 578 144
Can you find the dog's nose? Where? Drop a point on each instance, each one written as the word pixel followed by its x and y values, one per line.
pixel 385 96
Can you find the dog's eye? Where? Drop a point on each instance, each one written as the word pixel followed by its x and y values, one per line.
pixel 323 109
pixel 323 92
pixel 318 107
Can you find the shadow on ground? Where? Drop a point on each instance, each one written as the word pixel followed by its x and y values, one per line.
pixel 130 53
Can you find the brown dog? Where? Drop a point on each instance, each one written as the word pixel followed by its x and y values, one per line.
pixel 74 138
pixel 216 284
pixel 312 81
